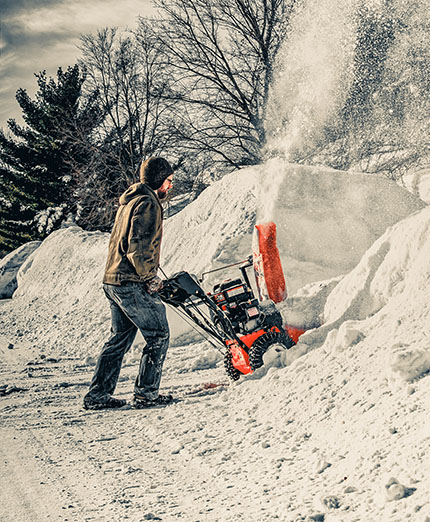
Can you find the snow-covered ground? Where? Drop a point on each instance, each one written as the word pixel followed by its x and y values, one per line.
pixel 335 429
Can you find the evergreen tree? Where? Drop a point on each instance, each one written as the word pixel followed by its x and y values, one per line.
pixel 36 188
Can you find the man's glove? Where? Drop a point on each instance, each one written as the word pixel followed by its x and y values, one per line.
pixel 154 285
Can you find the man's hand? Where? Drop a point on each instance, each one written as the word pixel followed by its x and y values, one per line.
pixel 154 285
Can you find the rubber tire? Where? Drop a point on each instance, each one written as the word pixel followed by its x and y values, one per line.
pixel 273 316
pixel 263 343
pixel 232 372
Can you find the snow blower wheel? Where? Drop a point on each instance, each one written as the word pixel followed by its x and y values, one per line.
pixel 263 343
pixel 230 369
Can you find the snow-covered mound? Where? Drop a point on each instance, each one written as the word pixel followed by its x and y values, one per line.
pixel 326 219
pixel 10 265
pixel 59 286
pixel 384 298
pixel 59 305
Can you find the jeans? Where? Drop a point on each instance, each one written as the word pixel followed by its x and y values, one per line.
pixel 132 308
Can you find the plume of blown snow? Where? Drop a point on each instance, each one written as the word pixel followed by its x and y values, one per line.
pixel 313 74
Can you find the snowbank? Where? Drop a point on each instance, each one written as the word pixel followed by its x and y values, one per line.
pixel 391 283
pixel 10 265
pixel 397 265
pixel 59 306
pixel 384 298
pixel 326 220
pixel 67 267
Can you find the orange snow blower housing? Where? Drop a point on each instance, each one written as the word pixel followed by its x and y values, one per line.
pixel 244 326
pixel 268 270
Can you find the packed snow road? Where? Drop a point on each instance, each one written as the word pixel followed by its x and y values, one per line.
pixel 61 462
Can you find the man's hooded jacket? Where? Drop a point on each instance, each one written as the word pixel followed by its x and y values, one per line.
pixel 134 247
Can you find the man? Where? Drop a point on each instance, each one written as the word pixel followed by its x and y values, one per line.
pixel 131 283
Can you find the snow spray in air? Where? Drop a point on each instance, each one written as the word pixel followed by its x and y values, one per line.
pixel 313 75
pixel 272 176
pixel 311 68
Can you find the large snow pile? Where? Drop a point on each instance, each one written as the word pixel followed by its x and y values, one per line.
pixel 326 220
pixel 386 298
pixel 59 305
pixel 10 265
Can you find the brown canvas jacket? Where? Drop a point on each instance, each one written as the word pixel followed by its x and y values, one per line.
pixel 135 241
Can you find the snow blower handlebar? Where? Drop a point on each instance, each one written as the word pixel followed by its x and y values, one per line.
pixel 244 265
pixel 180 287
pixel 184 292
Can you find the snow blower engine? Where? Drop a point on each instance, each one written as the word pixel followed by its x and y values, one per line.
pixel 242 327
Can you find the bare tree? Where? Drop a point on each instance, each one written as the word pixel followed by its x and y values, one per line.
pixel 131 79
pixel 222 55
pixel 129 75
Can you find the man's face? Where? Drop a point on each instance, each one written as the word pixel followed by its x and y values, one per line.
pixel 165 188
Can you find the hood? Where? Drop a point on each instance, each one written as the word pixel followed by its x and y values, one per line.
pixel 154 171
pixel 138 189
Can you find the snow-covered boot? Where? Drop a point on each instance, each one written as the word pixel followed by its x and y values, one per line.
pixel 143 402
pixel 103 403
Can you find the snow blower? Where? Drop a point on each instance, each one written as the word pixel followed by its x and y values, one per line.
pixel 241 326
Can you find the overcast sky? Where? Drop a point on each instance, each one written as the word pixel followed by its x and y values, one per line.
pixel 44 34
